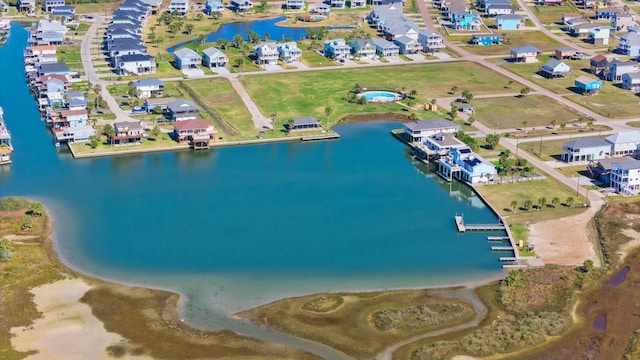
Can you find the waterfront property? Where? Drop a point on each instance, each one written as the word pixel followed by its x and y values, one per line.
pixel 180 110
pixel 196 131
pixel 620 174
pixel 266 53
pixel 463 164
pixel 241 6
pixel 587 86
pixel 214 58
pixel 336 49
pixel 585 150
pixel 127 133
pixel 289 52
pixel 6 147
pixel 186 58
pixel 161 104
pixel 525 54
pixel 303 123
pixel 214 7
pixel 146 88
pixel 419 131
pixel 442 143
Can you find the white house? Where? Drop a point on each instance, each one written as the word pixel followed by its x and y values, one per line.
pixel 180 6
pixel 625 176
pixel 463 164
pixel 213 58
pixel 289 52
pixel 186 58
pixel 419 131
pixel 442 143
pixel 266 53
pixel 336 49
pixel 631 81
pixel 147 88
pixel 624 142
pixel 430 40
pixel 585 150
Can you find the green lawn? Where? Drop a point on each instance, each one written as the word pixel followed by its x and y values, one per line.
pixel 550 14
pixel 612 101
pixel 559 86
pixel 96 8
pixel 511 112
pixel 512 39
pixel 69 55
pixel 300 94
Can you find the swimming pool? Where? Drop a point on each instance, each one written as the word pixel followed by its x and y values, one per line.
pixel 379 96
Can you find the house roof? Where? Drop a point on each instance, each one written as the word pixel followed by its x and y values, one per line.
pixel 552 63
pixel 148 82
pixel 607 163
pixel 131 125
pixel 135 58
pixel 160 101
pixel 525 49
pixel 405 40
pixel 624 137
pixel 507 17
pixel 66 113
pixel 567 49
pixel 53 67
pixel 631 39
pixel 77 102
pixel 182 105
pixel 585 80
pixel 385 44
pixel 363 42
pixel 466 107
pixel 635 77
pixel 185 53
pixel 501 6
pixel 586 26
pixel 599 59
pixel 305 120
pixel 483 36
pixel 44 47
pixel 445 139
pixel 586 143
pixel 195 124
pixel 430 124
pixel 212 51
pixel 631 164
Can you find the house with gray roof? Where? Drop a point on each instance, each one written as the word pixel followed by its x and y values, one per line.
pixel 442 143
pixel 289 52
pixel 186 58
pixel 241 6
pixel 147 88
pixel 418 131
pixel 585 150
pixel 266 53
pixel 618 68
pixel 621 174
pixel 363 48
pixel 213 58
pixel 336 49
pixel 49 5
pixel 386 48
pixel 500 9
pixel 624 142
pixel 629 44
pixel 127 133
pixel 555 69
pixel 430 40
pixel 136 64
pixel 525 54
pixel 158 103
pixel 304 123
pixel 182 110
pixel 408 45
pixel 53 69
pixel 631 81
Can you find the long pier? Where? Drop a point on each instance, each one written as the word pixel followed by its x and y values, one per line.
pixel 462 227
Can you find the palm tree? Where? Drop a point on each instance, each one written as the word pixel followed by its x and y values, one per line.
pixel 528 204
pixel 454 89
pixel 569 201
pixel 555 201
pixel 553 124
pixel 580 120
pixel 413 93
pixel 328 111
pixel 563 125
pixel 524 125
pixel 514 205
pixel 189 28
pixel 590 124
pixel 202 38
pixel 542 202
pixel 413 117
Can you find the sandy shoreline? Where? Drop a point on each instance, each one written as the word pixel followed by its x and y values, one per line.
pixel 67 329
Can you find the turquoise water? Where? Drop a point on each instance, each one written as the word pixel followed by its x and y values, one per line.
pixel 370 95
pixel 234 227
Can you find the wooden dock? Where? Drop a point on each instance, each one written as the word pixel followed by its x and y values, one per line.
pixel 462 227
pixel 508 259
pixel 327 136
pixel 497 238
pixel 502 248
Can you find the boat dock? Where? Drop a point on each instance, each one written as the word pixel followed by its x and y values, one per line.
pixel 502 248
pixel 497 238
pixel 462 227
pixel 333 135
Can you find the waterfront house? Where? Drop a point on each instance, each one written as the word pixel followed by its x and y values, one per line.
pixel 418 131
pixel 75 134
pixel 195 130
pixel 158 103
pixel 50 32
pixel 55 85
pixel 598 63
pixel 336 49
pixel 304 123
pixel 587 86
pixel 26 5
pixel 75 118
pixel 34 54
pixel 76 103
pixel 623 21
pixel 181 7
pixel 624 142
pixel 463 164
pixel 618 68
pixel 266 53
pixel 180 110
pixel 186 58
pixel 564 53
pixel 137 64
pixel 214 58
pixel 555 69
pixel 585 150
pixel 321 9
pixel 127 133
pixel 49 5
pixel 631 81
pixel 442 143
pixel 600 35
pixel 289 52
pixel 214 7
pixel 241 6
pixel 54 99
pixel 337 4
pixel 146 88
pixel 294 5
pixel 500 9
pixel 407 45
pixel 525 54
pixel 486 39
pixel 509 22
pixel 386 48
pixel 53 69
pixel 629 44
pixel 621 174
pixel 363 48
pixel 430 40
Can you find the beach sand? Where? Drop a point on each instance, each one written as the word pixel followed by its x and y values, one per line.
pixel 67 330
pixel 564 241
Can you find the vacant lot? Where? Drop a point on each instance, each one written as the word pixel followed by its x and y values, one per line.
pixel 512 112
pixel 559 86
pixel 308 94
pixel 610 102
pixel 513 39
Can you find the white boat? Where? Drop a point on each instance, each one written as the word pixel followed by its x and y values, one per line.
pixel 6 148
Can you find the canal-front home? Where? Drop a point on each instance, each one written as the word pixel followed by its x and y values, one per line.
pixel 585 150
pixel 418 131
pixel 213 7
pixel 214 58
pixel 180 110
pixel 463 164
pixel 186 58
pixel 6 148
pixel 241 6
pixel 266 53
pixel 127 133
pixel 303 123
pixel 146 88
pixel 289 52
pixel 53 69
pixel 442 143
pixel 161 104
pixel 336 49
pixel 195 131
pixel 181 7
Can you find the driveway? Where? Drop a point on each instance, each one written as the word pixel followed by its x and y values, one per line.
pixel 193 72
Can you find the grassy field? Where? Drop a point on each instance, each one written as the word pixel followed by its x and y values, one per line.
pixel 164 141
pixel 550 14
pixel 512 39
pixel 302 94
pixel 627 103
pixel 558 86
pixel 363 324
pixel 534 109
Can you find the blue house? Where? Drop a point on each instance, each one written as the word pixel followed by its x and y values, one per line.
pixel 509 22
pixel 213 6
pixel 486 39
pixel 587 85
pixel 464 165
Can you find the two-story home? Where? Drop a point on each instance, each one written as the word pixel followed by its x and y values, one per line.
pixel 186 58
pixel 147 88
pixel 407 45
pixel 137 64
pixel 525 54
pixel 194 130
pixel 486 39
pixel 631 81
pixel 180 110
pixel 598 64
pixel 289 52
pixel 509 22
pixel 624 142
pixel 214 58
pixel 266 53
pixel 430 40
pixel 500 9
pixel 585 150
pixel 214 7
pixel 337 4
pixel 463 164
pixel 442 143
pixel 618 68
pixel 417 131
pixel 582 30
pixel 159 105
pixel 294 5
pixel 564 53
pixel 623 21
pixel 241 6
pixel 75 118
pixel 608 13
pixel 53 69
pixel 336 49
pixel 363 48
pixel 621 174
pixel 127 133
pixel 629 44
pixel 555 69
pixel 26 5
pixel 181 7
pixel 386 48
pixel 49 5
pixel 600 35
